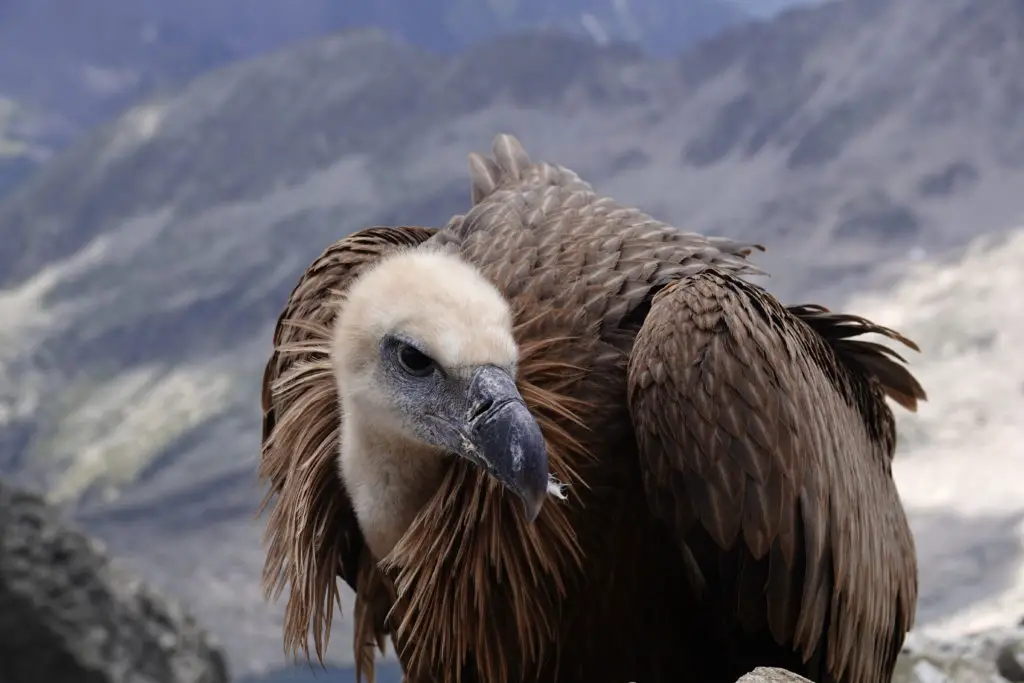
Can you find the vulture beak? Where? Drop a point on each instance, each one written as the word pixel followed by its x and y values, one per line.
pixel 504 438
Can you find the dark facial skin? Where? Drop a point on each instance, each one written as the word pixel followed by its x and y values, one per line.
pixel 476 413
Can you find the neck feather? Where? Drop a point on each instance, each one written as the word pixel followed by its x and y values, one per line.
pixel 388 477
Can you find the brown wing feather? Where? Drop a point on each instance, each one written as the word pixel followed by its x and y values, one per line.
pixel 877 360
pixel 312 534
pixel 757 453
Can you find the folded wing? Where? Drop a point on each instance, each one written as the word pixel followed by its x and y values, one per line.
pixel 765 444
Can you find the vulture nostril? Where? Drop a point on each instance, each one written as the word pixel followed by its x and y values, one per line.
pixel 481 408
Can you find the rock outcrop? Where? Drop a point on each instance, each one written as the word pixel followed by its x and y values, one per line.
pixel 67 615
pixel 990 656
pixel 771 675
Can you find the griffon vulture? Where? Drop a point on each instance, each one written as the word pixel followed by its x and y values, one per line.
pixel 559 440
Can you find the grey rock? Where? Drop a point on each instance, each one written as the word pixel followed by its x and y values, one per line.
pixel 67 615
pixel 985 657
pixel 772 675
pixel 1010 662
pixel 992 656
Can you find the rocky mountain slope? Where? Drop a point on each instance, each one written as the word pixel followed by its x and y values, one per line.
pixel 960 463
pixel 769 8
pixel 70 615
pixel 142 269
pixel 79 64
pixel 22 142
pixel 961 460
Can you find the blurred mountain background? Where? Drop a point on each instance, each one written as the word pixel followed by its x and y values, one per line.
pixel 79 63
pixel 169 169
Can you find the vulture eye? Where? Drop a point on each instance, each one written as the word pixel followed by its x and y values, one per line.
pixel 414 361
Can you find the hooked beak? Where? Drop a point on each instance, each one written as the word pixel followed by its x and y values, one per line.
pixel 504 438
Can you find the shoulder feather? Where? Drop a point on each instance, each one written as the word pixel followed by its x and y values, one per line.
pixel 881 363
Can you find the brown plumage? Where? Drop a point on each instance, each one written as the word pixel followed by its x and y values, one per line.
pixel 729 503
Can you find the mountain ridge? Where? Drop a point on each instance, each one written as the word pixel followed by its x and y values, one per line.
pixel 78 68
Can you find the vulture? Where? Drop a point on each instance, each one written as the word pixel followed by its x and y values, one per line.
pixel 558 440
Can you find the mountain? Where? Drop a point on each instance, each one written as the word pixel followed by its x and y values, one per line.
pixel 70 614
pixel 22 146
pixel 84 62
pixel 770 8
pixel 143 268
pixel 960 463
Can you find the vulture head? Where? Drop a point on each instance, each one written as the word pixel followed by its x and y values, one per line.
pixel 425 362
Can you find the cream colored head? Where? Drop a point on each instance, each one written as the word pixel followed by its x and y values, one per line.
pixel 425 360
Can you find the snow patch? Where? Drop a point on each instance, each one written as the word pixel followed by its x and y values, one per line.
pixel 962 454
pixel 109 436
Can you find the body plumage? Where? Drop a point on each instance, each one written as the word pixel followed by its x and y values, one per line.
pixel 729 500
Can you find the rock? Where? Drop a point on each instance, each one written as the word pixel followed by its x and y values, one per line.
pixel 771 675
pixel 1010 662
pixel 68 615
pixel 993 656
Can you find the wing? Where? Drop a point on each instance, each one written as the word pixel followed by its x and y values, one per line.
pixel 766 448
pixel 312 535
